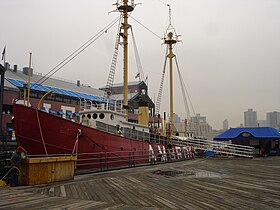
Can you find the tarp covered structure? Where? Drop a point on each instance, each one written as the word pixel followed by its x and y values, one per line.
pixel 261 133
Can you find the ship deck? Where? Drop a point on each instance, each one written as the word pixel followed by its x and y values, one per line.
pixel 223 183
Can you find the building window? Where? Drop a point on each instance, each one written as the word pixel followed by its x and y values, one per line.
pixel 7 109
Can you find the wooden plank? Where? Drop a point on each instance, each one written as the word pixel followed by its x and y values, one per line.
pixel 205 184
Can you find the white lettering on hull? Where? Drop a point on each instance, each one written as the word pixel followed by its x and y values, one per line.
pixel 176 153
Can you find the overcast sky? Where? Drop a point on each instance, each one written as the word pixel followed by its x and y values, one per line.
pixel 229 57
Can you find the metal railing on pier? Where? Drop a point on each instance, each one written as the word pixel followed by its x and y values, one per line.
pixel 103 161
pixel 219 147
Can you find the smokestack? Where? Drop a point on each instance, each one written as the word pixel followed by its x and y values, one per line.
pixel 7 66
pixel 25 71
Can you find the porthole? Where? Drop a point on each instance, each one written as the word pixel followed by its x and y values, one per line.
pixel 94 116
pixel 101 116
pixel 112 117
pixel 89 116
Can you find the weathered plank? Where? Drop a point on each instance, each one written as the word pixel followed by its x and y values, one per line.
pixel 199 184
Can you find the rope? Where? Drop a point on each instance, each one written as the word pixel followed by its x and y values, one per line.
pixel 183 91
pixel 9 172
pixel 76 145
pixel 147 28
pixel 76 142
pixel 137 58
pixel 161 84
pixel 41 133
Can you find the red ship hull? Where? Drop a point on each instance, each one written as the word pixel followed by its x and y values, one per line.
pixel 41 133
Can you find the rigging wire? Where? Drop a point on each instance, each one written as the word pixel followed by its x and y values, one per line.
pixel 137 58
pixel 161 83
pixel 110 79
pixel 183 90
pixel 184 85
pixel 77 52
pixel 146 28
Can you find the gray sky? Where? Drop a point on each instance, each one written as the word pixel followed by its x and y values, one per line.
pixel 229 57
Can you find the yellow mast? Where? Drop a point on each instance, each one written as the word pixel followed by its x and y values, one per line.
pixel 125 7
pixel 28 83
pixel 170 56
pixel 170 39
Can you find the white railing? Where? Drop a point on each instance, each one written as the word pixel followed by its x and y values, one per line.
pixel 87 105
pixel 218 147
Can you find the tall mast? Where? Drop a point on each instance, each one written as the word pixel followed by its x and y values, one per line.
pixel 124 7
pixel 170 39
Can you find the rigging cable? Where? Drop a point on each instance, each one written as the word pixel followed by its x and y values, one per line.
pixel 161 84
pixel 137 58
pixel 110 80
pixel 77 52
pixel 146 28
pixel 197 127
pixel 184 88
pixel 183 91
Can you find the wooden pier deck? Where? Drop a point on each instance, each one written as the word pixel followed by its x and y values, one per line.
pixel 197 184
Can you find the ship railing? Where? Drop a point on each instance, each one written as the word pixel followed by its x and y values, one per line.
pixel 222 148
pixel 101 161
pixel 92 105
pixel 132 133
pixel 105 160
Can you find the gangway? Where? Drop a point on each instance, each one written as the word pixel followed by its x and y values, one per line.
pixel 222 148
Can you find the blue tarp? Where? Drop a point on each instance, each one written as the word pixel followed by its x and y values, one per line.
pixel 249 133
pixel 209 153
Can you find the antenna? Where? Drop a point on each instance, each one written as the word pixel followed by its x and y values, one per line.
pixel 169 13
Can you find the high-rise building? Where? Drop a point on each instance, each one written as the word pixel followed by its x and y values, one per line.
pixel 273 119
pixel 176 121
pixel 250 118
pixel 200 126
pixel 225 125
pixel 262 123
